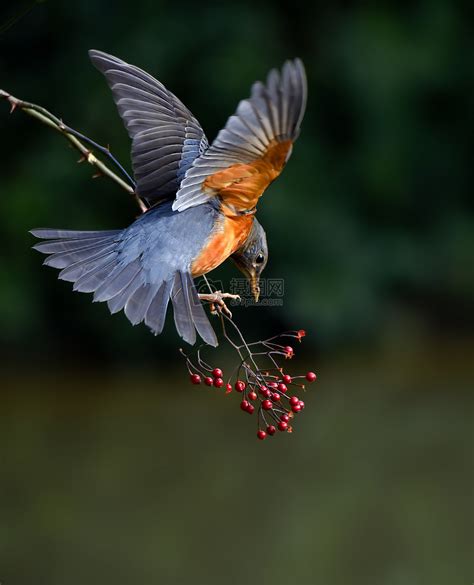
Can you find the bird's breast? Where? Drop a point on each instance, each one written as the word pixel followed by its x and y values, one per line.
pixel 227 236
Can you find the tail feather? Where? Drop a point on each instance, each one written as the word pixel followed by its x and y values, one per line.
pixel 48 234
pixel 67 259
pixel 120 277
pixel 189 314
pixel 90 281
pixel 156 314
pixel 182 309
pixel 199 317
pixel 138 303
pixel 118 302
pixel 76 270
pixel 97 262
pixel 60 246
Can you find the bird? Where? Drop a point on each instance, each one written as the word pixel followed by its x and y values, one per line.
pixel 202 198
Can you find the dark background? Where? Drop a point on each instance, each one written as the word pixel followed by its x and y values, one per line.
pixel 112 468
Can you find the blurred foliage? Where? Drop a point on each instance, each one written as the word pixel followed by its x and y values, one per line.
pixel 370 224
pixel 112 469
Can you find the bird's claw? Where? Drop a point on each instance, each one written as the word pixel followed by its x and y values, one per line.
pixel 217 303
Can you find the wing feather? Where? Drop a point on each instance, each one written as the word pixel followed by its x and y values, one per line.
pixel 154 118
pixel 253 147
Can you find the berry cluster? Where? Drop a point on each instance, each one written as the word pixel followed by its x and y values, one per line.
pixel 268 390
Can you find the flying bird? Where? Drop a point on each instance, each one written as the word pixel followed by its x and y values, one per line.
pixel 202 198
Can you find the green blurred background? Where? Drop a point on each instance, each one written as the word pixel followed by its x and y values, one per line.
pixel 113 470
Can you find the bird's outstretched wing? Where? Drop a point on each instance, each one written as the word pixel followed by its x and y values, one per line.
pixel 253 147
pixel 166 137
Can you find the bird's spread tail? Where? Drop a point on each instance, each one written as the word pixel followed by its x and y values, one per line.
pixel 95 263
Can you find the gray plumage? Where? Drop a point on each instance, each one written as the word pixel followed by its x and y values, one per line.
pixel 166 137
pixel 139 269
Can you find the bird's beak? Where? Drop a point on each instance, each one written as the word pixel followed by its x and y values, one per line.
pixel 251 275
pixel 255 286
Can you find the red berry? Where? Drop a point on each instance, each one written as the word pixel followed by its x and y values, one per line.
pixel 252 395
pixel 282 425
pixel 284 417
pixel 311 376
pixel 261 435
pixel 296 408
pixel 195 378
pixel 276 397
pixel 271 430
pixel 267 393
pixel 267 405
pixel 217 373
pixel 244 404
pixel 263 390
pixel 272 384
pixel 301 333
pixel 287 379
pixel 294 400
pixel 239 386
pixel 289 351
pixel 228 388
pixel 218 382
pixel 208 381
pixel 250 408
pixel 282 387
pixel 301 404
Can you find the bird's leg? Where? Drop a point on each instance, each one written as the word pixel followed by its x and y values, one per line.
pixel 217 301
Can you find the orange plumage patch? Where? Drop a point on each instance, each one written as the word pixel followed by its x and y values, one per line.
pixel 241 185
pixel 228 236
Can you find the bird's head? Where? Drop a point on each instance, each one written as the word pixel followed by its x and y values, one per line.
pixel 252 257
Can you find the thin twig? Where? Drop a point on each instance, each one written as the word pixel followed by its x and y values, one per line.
pixel 103 149
pixel 72 136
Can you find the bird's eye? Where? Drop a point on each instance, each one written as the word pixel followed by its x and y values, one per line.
pixel 259 259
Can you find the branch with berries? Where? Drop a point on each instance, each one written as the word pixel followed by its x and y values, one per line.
pixel 263 384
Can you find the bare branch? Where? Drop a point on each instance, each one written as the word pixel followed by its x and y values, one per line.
pixel 75 138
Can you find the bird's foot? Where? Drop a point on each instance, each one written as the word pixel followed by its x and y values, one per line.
pixel 216 299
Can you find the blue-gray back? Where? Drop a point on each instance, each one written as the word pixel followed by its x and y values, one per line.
pixel 166 240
